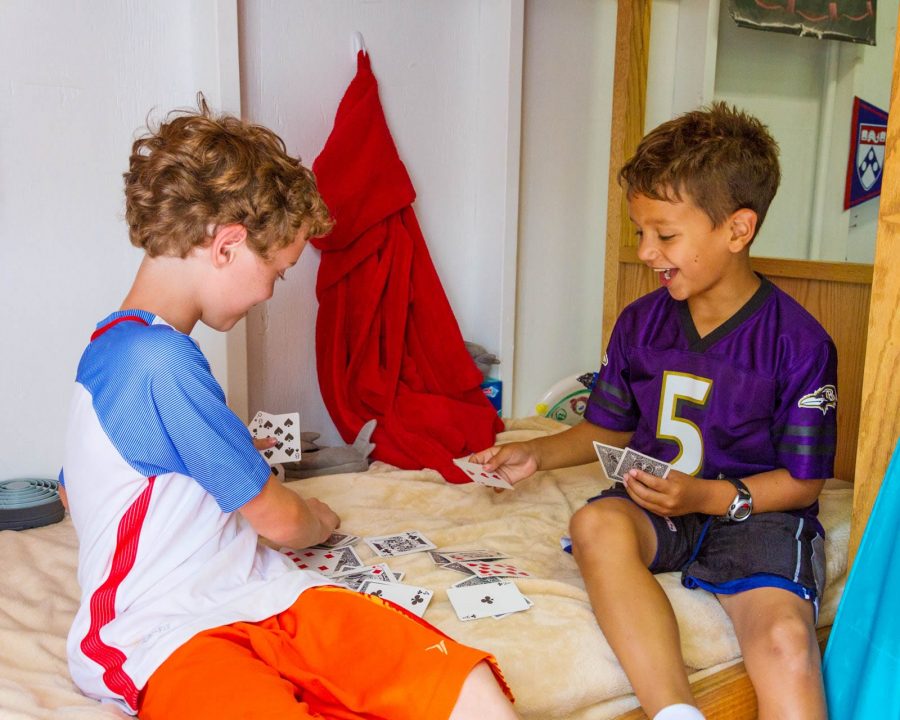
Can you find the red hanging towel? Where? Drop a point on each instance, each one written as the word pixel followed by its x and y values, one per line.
pixel 387 343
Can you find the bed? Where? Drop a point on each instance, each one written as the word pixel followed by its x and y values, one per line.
pixel 554 656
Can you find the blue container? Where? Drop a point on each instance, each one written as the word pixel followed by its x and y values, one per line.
pixel 493 391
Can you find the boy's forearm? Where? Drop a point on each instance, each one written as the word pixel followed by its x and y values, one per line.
pixel 574 446
pixel 774 491
pixel 283 517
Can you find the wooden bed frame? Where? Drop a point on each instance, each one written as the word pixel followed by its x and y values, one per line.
pixel 857 304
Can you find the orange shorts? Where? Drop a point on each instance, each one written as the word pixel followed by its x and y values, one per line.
pixel 333 654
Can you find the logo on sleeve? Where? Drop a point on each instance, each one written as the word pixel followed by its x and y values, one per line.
pixel 822 399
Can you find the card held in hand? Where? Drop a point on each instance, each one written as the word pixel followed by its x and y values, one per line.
pixel 478 474
pixel 609 457
pixel 285 428
pixel 633 459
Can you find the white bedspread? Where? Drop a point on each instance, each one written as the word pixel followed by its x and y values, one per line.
pixel 553 655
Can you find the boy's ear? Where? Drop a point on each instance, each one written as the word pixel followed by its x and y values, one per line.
pixel 225 242
pixel 743 228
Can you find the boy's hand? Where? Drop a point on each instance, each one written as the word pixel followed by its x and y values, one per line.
pixel 676 494
pixel 513 461
pixel 264 443
pixel 328 518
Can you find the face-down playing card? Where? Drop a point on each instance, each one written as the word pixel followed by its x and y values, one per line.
pixel 634 459
pixel 609 457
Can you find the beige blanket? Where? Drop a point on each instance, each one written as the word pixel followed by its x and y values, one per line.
pixel 553 655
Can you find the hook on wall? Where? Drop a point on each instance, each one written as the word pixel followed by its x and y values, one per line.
pixel 357 43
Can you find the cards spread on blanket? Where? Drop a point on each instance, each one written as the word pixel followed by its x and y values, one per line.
pixel 484 568
pixel 478 474
pixel 285 428
pixel 618 461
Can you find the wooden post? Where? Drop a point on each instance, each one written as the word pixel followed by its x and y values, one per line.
pixel 628 105
pixel 880 415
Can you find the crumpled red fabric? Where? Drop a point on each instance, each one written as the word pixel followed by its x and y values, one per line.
pixel 387 343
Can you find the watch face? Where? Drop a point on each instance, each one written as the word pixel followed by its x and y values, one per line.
pixel 742 511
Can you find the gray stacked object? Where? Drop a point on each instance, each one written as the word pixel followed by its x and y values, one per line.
pixel 29 503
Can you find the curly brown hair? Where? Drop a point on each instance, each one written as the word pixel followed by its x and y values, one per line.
pixel 720 156
pixel 197 170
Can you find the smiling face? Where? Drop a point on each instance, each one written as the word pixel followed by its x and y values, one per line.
pixel 693 257
pixel 247 279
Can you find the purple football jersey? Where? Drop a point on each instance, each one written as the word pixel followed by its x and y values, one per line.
pixel 756 394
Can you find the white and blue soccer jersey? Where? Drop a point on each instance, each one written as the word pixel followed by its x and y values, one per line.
pixel 756 394
pixel 155 466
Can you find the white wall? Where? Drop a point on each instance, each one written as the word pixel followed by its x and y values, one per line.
pixel 450 94
pixel 76 81
pixel 567 103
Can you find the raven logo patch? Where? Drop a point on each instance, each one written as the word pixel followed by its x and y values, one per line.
pixel 822 399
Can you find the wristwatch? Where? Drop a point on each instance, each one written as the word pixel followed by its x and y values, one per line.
pixel 742 505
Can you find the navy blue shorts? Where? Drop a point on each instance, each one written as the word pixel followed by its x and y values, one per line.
pixel 773 549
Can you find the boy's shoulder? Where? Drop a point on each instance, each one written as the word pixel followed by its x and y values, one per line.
pixel 794 319
pixel 137 343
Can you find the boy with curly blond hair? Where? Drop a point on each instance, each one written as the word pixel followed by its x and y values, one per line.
pixel 184 614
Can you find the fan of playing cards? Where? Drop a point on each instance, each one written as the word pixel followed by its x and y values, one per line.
pixel 618 461
pixel 488 590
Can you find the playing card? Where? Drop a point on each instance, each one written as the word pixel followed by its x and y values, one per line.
pixel 481 476
pixel 484 568
pixel 609 459
pixel 464 555
pixel 437 558
pixel 412 598
pixel 354 579
pixel 480 601
pixel 475 580
pixel 459 567
pixel 337 539
pixel 633 459
pixel 285 428
pixel 400 544
pixel 328 561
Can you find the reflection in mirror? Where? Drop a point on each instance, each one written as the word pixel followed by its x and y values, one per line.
pixel 803 88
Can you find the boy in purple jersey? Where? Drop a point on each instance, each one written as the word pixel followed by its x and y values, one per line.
pixel 725 377
pixel 184 613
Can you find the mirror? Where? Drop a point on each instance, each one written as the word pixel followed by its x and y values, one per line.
pixel 803 89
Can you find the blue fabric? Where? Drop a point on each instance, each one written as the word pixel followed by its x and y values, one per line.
pixel 159 404
pixel 862 659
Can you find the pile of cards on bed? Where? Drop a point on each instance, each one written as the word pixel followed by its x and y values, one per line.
pixel 488 590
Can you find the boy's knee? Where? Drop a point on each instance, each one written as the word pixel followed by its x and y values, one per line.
pixel 788 642
pixel 598 522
